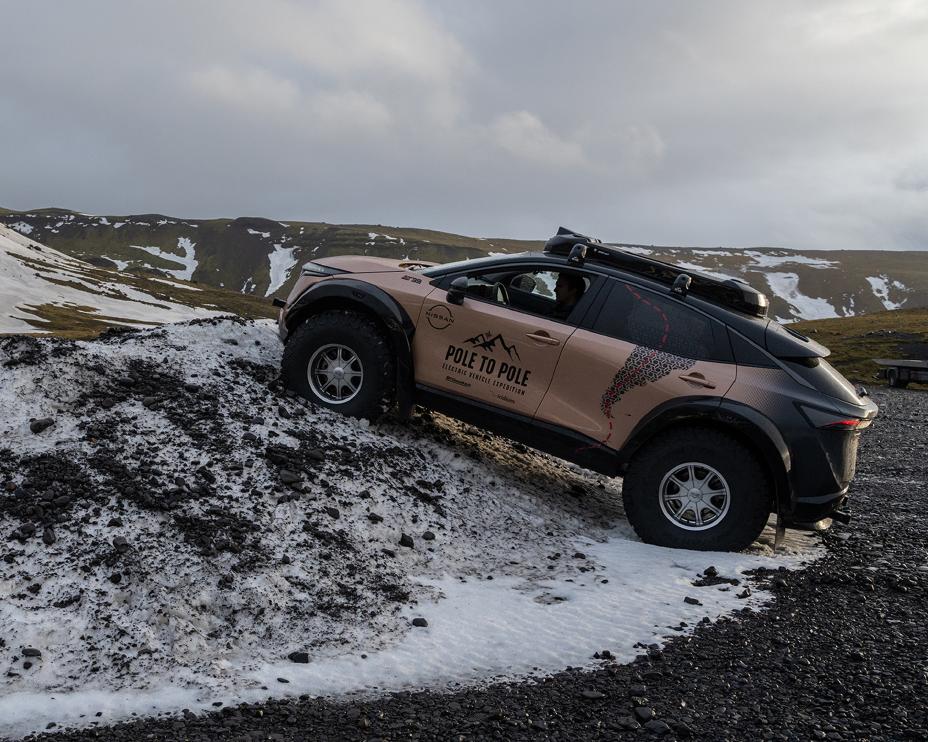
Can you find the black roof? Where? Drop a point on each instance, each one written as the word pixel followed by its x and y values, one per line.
pixel 731 292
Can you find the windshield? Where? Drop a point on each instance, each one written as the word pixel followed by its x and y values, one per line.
pixel 438 270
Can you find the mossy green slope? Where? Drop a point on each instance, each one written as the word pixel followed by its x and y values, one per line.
pixel 855 341
pixel 236 254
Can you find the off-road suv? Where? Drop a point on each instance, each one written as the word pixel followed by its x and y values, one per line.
pixel 675 380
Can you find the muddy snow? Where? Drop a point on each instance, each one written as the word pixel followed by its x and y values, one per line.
pixel 178 531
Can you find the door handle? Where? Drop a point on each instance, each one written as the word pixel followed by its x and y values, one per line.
pixel 699 379
pixel 542 337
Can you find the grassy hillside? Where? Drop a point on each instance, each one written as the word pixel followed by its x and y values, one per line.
pixel 856 341
pixel 84 323
pixel 258 256
pixel 238 254
pixel 43 291
pixel 234 253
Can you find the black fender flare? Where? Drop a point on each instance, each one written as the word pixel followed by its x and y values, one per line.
pixel 348 293
pixel 746 422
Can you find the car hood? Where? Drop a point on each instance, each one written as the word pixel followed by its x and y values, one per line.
pixel 368 264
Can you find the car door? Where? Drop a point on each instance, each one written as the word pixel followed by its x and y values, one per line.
pixel 641 350
pixel 487 350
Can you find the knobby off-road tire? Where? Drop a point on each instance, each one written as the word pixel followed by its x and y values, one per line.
pixel 649 480
pixel 326 333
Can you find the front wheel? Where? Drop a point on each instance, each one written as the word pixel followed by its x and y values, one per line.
pixel 341 360
pixel 697 488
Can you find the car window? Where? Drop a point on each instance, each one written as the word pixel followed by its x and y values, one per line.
pixel 533 290
pixel 446 268
pixel 664 323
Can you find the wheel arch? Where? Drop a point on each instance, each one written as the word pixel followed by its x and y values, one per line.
pixel 749 427
pixel 372 301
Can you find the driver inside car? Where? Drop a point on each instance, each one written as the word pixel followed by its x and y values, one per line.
pixel 567 292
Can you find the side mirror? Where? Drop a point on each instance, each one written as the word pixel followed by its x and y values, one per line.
pixel 457 290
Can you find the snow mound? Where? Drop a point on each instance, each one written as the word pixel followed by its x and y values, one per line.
pixel 33 275
pixel 178 529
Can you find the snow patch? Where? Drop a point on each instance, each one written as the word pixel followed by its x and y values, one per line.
pixel 187 259
pixel 881 285
pixel 184 286
pixel 786 286
pixel 22 227
pixel 121 265
pixel 713 253
pixel 372 238
pixel 770 260
pixel 264 235
pixel 281 260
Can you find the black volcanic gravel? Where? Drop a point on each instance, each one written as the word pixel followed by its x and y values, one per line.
pixel 841 655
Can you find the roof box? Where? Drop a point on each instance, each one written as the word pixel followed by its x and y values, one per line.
pixel 732 292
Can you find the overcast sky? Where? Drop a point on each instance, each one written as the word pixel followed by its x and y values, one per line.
pixel 802 124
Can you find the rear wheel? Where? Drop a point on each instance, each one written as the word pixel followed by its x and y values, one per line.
pixel 341 360
pixel 697 488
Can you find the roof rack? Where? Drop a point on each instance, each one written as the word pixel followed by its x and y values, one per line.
pixel 730 292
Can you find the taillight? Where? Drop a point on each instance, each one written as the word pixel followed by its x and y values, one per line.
pixel 830 421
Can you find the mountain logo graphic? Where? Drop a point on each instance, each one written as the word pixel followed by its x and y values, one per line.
pixel 487 341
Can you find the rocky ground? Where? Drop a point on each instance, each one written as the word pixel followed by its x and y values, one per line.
pixel 840 654
pixel 180 532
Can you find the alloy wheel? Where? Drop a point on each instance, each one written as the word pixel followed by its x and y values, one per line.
pixel 694 496
pixel 335 373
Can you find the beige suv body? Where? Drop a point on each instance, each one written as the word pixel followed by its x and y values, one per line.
pixel 711 412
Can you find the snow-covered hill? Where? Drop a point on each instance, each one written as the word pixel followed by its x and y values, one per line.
pixel 180 532
pixel 34 278
pixel 44 290
pixel 258 257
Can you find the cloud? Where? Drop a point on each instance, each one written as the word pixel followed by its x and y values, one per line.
pixel 624 150
pixel 363 37
pixel 913 178
pixel 522 134
pixel 337 111
pixel 785 122
pixel 252 90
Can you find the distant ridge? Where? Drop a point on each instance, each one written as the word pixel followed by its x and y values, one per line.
pixel 259 257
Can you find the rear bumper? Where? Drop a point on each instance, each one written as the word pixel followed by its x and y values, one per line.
pixel 812 509
pixel 824 464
